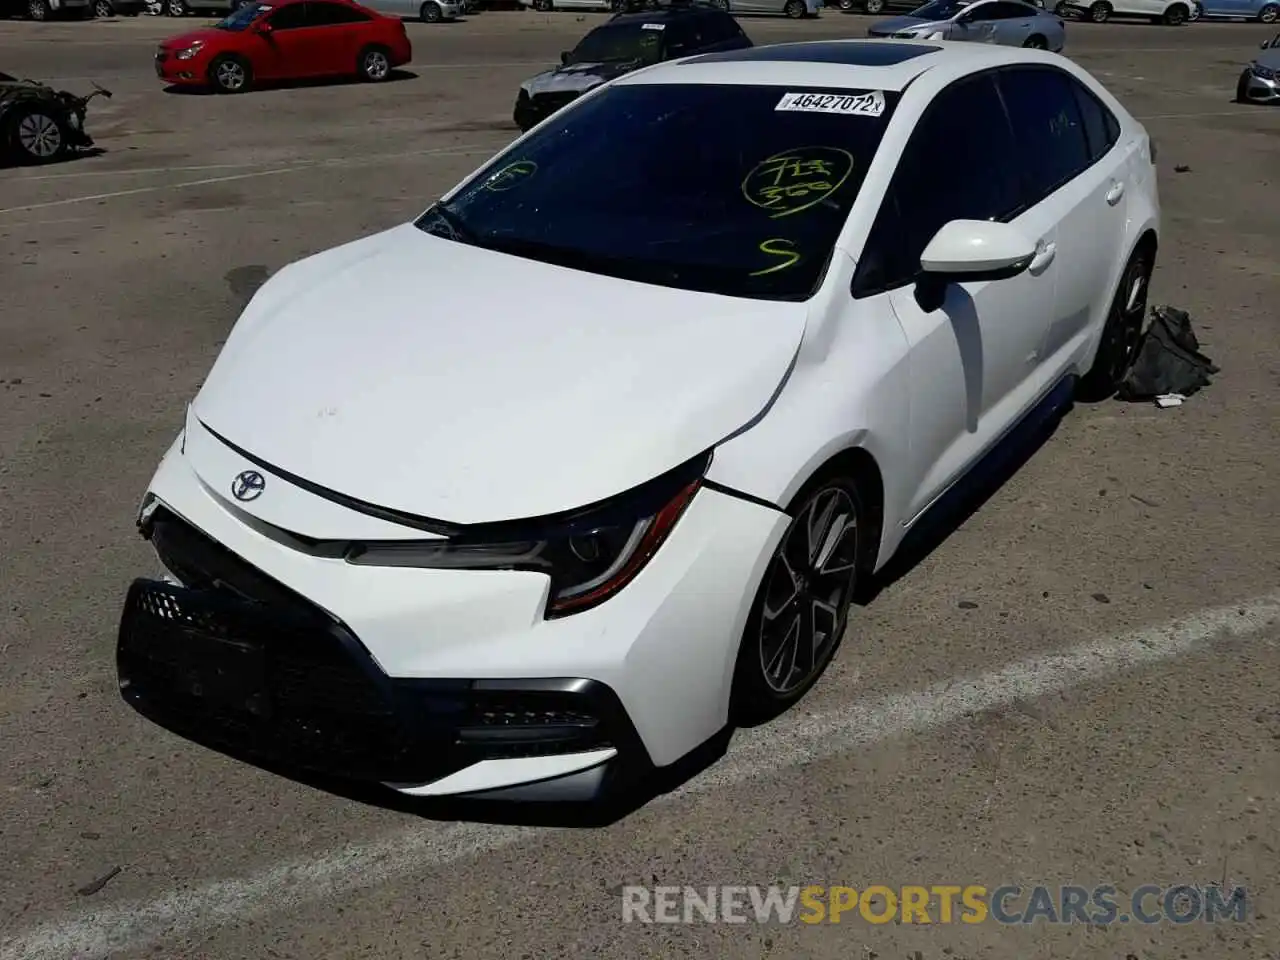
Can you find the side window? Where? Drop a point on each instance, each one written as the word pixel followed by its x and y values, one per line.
pixel 682 37
pixel 980 13
pixel 325 14
pixel 955 167
pixel 1052 147
pixel 1101 128
pixel 1012 11
pixel 290 17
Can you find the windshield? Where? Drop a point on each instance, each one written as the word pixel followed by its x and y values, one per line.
pixel 735 190
pixel 939 9
pixel 243 17
pixel 620 42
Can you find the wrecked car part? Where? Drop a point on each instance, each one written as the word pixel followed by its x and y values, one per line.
pixel 39 124
pixel 1168 360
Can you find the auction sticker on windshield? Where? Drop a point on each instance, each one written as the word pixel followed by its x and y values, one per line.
pixel 855 105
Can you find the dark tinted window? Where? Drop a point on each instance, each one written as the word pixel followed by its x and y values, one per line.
pixel 987 12
pixel 240 19
pixel 1052 148
pixel 682 37
pixel 621 42
pixel 1012 11
pixel 955 167
pixel 323 14
pixel 719 28
pixel 699 186
pixel 1101 128
pixel 939 9
pixel 290 17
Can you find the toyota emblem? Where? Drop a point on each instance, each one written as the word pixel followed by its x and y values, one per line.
pixel 248 486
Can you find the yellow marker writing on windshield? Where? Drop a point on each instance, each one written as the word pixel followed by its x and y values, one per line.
pixel 778 247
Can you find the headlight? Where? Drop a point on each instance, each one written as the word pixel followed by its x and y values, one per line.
pixel 190 52
pixel 1266 73
pixel 589 554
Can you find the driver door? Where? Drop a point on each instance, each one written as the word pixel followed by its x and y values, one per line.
pixel 972 362
pixel 977 23
pixel 292 45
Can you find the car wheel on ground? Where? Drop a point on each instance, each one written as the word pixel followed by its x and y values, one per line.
pixel 721 5
pixel 1269 14
pixel 802 606
pixel 1062 10
pixel 176 8
pixel 1100 12
pixel 39 10
pixel 430 12
pixel 36 136
pixel 1242 88
pixel 103 9
pixel 1123 330
pixel 1177 15
pixel 375 64
pixel 542 6
pixel 1036 42
pixel 230 74
pixel 873 6
pixel 795 9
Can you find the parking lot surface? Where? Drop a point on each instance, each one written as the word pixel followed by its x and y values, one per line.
pixel 1079 685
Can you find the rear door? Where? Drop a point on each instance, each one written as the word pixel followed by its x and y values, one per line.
pixel 1078 180
pixel 340 32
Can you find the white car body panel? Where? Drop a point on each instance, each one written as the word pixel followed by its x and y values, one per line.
pixel 624 407
pixel 486 387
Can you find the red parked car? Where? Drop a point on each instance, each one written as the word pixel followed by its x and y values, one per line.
pixel 286 40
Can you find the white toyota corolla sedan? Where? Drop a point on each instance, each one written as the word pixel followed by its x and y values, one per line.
pixel 546 488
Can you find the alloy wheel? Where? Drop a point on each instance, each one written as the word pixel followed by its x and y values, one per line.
pixel 230 75
pixel 1269 14
pixel 40 136
pixel 376 65
pixel 176 8
pixel 1123 332
pixel 874 6
pixel 808 587
pixel 38 10
pixel 103 9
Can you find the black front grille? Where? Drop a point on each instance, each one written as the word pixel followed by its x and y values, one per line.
pixel 548 103
pixel 237 661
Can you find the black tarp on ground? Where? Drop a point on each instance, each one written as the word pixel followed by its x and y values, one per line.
pixel 1168 359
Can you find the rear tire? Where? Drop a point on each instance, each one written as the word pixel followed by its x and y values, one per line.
pixel 35 135
pixel 374 65
pixel 1036 42
pixel 873 7
pixel 430 12
pixel 102 9
pixel 176 8
pixel 39 10
pixel 230 74
pixel 1122 332
pixel 1100 12
pixel 801 609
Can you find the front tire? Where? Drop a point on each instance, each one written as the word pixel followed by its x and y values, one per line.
pixel 802 606
pixel 873 7
pixel 39 10
pixel 1242 88
pixel 230 74
pixel 1176 15
pixel 1269 14
pixel 1100 12
pixel 374 65
pixel 36 136
pixel 1036 42
pixel 1122 331
pixel 102 9
pixel 176 8
pixel 430 13
pixel 795 9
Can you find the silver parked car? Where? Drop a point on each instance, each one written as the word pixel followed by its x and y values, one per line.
pixel 1260 81
pixel 1007 22
pixel 428 11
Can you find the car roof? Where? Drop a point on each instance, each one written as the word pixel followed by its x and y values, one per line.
pixel 853 64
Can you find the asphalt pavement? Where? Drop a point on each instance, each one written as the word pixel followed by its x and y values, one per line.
pixel 1077 685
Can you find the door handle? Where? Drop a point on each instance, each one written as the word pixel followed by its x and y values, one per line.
pixel 1045 252
pixel 1115 193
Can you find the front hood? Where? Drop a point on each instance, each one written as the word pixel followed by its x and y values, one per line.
pixel 1269 59
pixel 207 36
pixel 468 386
pixel 899 24
pixel 576 78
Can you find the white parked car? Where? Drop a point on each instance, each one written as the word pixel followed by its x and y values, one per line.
pixel 1171 12
pixel 545 488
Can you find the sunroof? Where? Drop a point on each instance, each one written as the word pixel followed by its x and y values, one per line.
pixel 864 53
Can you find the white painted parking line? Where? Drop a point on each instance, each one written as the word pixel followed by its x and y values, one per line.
pixel 477 149
pixel 791 740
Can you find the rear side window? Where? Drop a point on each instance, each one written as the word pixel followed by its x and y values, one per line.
pixel 1101 128
pixel 1051 143
pixel 325 14
pixel 290 18
pixel 955 167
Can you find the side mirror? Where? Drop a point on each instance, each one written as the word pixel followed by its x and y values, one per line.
pixel 965 251
pixel 564 58
pixel 264 27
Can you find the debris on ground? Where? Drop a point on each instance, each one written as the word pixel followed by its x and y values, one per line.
pixel 1168 366
pixel 89 889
